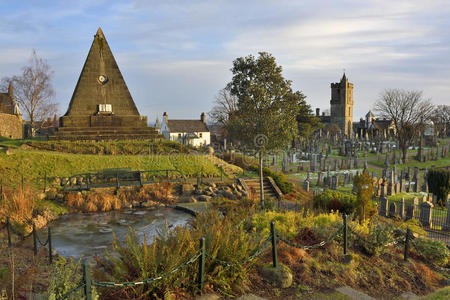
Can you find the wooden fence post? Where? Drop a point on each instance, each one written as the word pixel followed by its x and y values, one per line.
pixel 201 265
pixel 50 254
pixel 9 231
pixel 274 244
pixel 87 280
pixel 345 234
pixel 35 247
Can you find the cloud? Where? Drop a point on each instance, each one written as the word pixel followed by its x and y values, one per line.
pixel 175 55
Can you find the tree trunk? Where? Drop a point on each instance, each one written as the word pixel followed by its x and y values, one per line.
pixel 261 179
pixel 405 153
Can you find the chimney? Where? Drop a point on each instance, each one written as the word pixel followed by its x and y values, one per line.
pixel 11 91
pixel 203 117
pixel 317 112
pixel 165 117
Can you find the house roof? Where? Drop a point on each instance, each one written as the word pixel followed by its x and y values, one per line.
pixel 188 126
pixel 382 124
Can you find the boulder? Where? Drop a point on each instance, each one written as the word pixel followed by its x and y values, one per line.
pixel 204 198
pixel 281 276
pixel 51 195
pixel 228 194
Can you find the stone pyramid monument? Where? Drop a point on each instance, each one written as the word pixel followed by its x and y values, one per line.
pixel 101 106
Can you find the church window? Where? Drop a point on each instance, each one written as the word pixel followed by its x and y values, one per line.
pixel 200 134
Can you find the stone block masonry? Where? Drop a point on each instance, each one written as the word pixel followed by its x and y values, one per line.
pixel 11 126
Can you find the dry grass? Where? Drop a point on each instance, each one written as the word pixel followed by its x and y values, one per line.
pixel 93 202
pixel 18 204
pixel 158 192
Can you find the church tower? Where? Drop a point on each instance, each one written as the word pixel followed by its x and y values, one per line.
pixel 342 105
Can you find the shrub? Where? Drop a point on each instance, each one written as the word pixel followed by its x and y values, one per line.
pixel 380 235
pixel 346 201
pixel 439 183
pixel 66 274
pixel 433 251
pixel 17 203
pixel 364 193
pixel 226 240
pixel 289 224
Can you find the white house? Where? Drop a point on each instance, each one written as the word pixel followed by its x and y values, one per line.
pixel 187 132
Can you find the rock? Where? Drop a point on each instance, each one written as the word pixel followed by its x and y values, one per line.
pixel 353 294
pixel 51 195
pixel 204 198
pixel 409 296
pixel 208 297
pixel 228 194
pixel 250 297
pixel 280 276
pixel 186 189
pixel 212 184
pixel 56 181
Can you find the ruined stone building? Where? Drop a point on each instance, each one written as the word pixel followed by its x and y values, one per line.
pixel 101 106
pixel 11 123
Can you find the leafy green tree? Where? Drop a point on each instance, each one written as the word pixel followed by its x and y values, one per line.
pixel 307 121
pixel 266 104
pixel 364 193
pixel 267 108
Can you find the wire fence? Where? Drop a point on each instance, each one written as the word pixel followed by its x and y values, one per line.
pixel 87 283
pixel 37 242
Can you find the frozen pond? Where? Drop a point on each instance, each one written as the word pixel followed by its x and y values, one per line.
pixel 89 234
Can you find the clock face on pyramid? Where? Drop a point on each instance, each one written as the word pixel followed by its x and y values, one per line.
pixel 102 79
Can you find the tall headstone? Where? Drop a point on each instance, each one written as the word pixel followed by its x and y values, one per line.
pixel 426 214
pixel 446 227
pixel 402 209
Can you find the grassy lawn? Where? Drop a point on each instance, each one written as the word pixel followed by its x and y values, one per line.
pixel 35 164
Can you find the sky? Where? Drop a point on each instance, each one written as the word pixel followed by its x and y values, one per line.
pixel 175 55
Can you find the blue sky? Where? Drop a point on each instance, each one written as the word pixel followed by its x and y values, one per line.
pixel 176 54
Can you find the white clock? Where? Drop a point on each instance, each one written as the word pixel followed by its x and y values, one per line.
pixel 102 79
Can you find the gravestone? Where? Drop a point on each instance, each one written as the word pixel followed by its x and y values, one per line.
pixel 402 208
pixel 319 178
pixel 409 212
pixel 334 182
pixel 383 210
pixel 426 214
pixel 446 226
pixel 306 185
pixel 392 210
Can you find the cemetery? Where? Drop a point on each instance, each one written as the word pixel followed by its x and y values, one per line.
pixel 259 199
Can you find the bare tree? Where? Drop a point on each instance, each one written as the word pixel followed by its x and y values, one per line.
pixel 225 105
pixel 33 90
pixel 408 111
pixel 441 119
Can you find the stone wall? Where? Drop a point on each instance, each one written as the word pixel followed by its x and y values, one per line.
pixel 11 126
